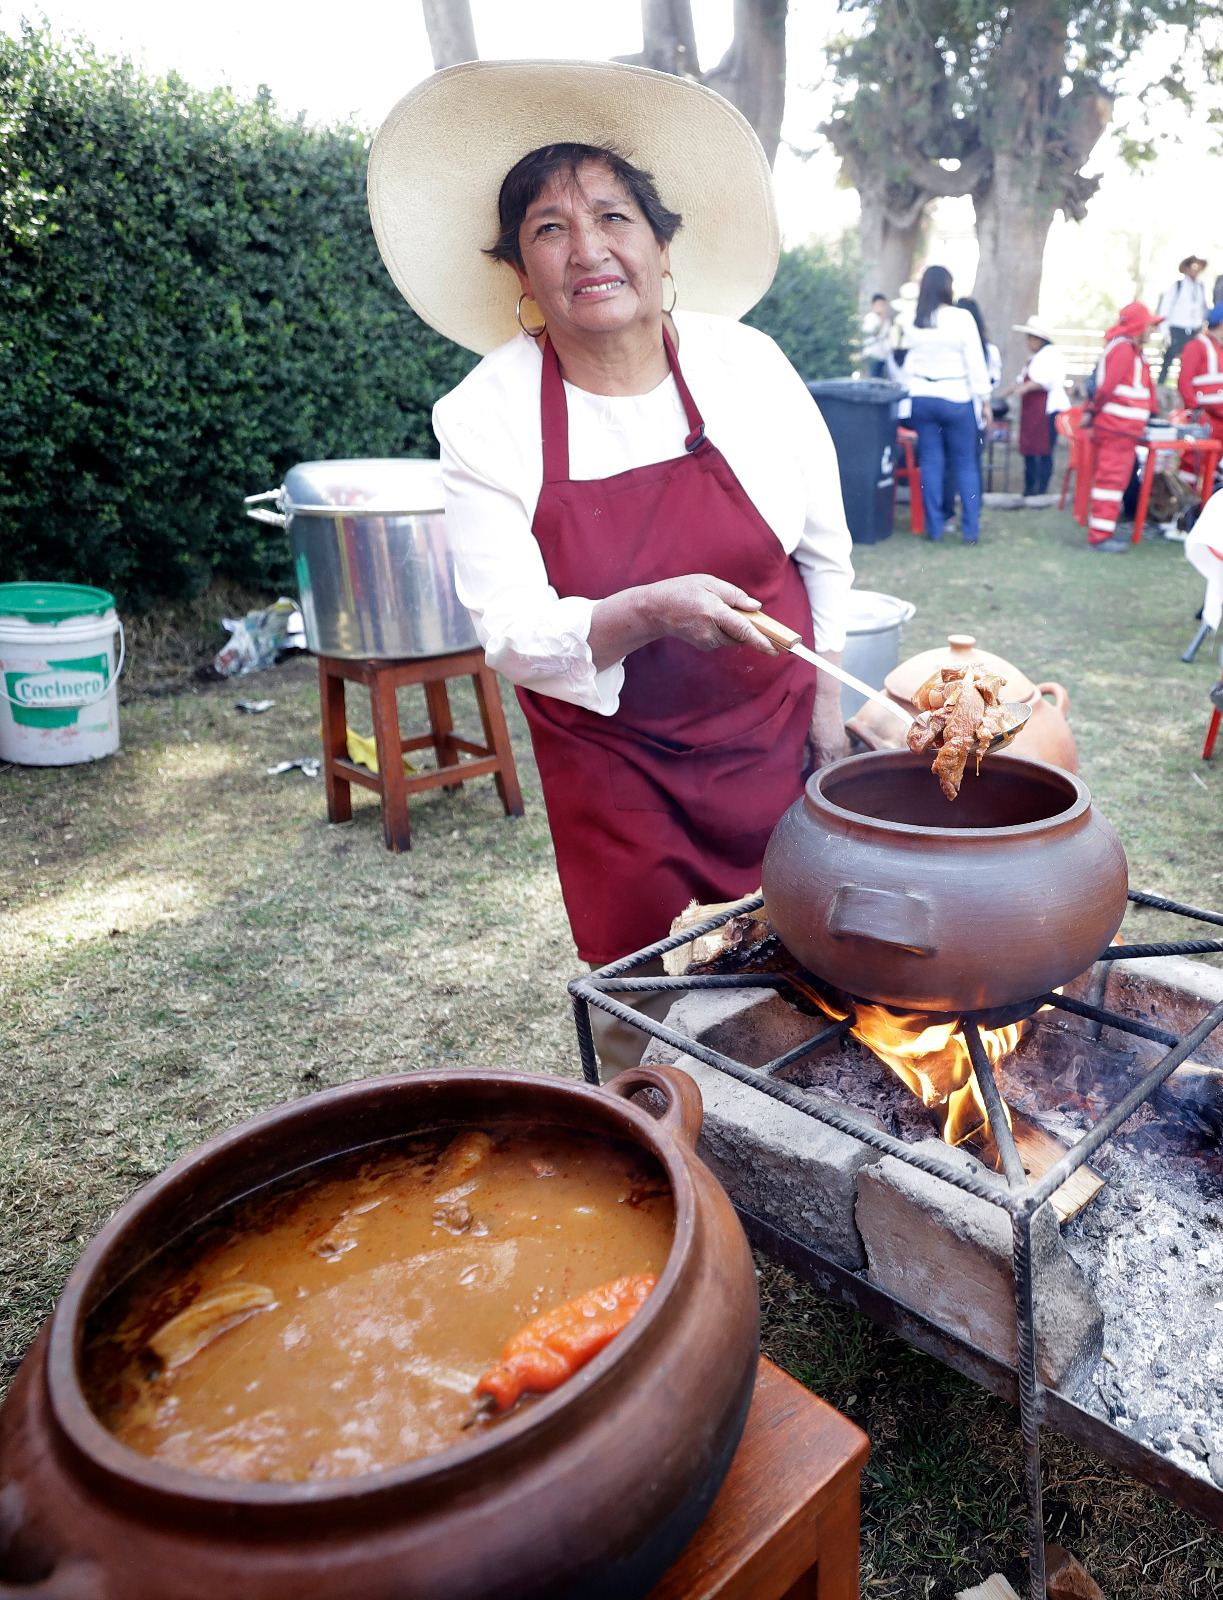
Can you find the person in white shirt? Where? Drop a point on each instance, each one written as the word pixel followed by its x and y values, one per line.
pixel 949 384
pixel 1042 383
pixel 1182 311
pixel 876 336
pixel 626 480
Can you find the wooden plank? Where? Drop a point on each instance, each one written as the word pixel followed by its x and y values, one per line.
pixel 1039 1151
pixel 786 1519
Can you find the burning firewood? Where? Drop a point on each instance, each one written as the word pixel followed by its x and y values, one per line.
pixel 958 708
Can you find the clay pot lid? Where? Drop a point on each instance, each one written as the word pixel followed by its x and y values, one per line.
pixel 903 682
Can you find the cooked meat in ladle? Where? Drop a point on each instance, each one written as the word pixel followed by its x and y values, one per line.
pixel 959 710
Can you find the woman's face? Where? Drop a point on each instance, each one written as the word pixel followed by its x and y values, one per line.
pixel 590 259
pixel 1035 342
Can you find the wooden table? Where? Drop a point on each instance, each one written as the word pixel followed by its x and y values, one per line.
pixel 785 1524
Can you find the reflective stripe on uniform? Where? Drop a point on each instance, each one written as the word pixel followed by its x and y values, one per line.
pixel 1106 494
pixel 1114 410
pixel 1102 523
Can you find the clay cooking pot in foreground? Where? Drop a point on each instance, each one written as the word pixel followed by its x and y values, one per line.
pixel 591 1492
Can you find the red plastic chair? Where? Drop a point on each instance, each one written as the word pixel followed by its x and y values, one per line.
pixel 1079 445
pixel 906 440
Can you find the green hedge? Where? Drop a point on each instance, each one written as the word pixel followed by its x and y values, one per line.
pixel 190 301
pixel 812 310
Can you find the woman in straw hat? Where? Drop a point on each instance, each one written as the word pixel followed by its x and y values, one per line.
pixel 629 472
pixel 1042 384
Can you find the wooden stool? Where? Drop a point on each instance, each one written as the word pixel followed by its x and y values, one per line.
pixel 785 1523
pixel 390 782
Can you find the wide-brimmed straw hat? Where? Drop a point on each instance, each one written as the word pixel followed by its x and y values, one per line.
pixel 1036 328
pixel 438 162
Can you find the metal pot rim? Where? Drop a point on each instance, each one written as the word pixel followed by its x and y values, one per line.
pixel 817 801
pixel 289 509
pixel 157 1481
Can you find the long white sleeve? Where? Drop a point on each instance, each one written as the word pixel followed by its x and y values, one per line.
pixel 757 411
pixel 529 634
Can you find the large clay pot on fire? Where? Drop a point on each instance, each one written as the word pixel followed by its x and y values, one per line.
pixel 592 1491
pixel 890 892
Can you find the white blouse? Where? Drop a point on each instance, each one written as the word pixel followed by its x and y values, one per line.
pixel 756 410
pixel 946 360
pixel 1048 368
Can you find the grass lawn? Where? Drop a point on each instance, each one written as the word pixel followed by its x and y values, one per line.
pixel 184 941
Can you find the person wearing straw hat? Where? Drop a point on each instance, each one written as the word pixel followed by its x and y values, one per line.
pixel 1182 310
pixel 1042 384
pixel 629 471
pixel 1201 375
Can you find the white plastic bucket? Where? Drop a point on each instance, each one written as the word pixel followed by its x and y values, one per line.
pixel 874 630
pixel 61 653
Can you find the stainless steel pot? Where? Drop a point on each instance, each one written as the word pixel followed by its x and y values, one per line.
pixel 873 632
pixel 374 567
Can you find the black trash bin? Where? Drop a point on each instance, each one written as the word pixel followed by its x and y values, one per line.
pixel 861 417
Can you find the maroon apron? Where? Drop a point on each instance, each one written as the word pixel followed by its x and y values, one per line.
pixel 674 797
pixel 1033 421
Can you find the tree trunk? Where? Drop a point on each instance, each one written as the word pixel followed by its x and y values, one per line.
pixel 752 73
pixel 452 35
pixel 668 38
pixel 1040 137
pixel 1012 225
pixel 888 247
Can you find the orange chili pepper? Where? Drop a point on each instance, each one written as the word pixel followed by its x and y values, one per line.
pixel 555 1345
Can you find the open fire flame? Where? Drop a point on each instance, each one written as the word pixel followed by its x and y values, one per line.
pixel 931 1059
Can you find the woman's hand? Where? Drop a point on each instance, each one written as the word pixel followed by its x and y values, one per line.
pixel 827 726
pixel 702 610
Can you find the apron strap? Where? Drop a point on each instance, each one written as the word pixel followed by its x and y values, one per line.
pixel 696 425
pixel 554 412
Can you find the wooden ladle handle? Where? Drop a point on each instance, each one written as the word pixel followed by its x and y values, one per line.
pixel 775 632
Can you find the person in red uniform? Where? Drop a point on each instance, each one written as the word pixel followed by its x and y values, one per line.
pixel 1201 378
pixel 1117 414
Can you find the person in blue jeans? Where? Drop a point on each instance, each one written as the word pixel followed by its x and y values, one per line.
pixel 948 384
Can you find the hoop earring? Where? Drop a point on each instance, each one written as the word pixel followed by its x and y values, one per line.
pixel 667 310
pixel 532 333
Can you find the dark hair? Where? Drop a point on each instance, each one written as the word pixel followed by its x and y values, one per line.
pixel 935 291
pixel 527 179
pixel 967 303
pixel 878 295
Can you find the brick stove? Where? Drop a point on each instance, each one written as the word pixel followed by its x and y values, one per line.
pixel 1091 1295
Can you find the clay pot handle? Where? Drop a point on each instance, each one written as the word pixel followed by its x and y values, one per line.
pixel 1061 699
pixel 685 1111
pixel 73 1579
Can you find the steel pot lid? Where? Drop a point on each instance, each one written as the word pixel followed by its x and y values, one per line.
pixel 870 612
pixel 398 486
pixel 903 682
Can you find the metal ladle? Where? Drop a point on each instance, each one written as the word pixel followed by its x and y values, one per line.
pixel 786 639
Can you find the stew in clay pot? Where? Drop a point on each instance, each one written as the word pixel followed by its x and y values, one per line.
pixel 171 1436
